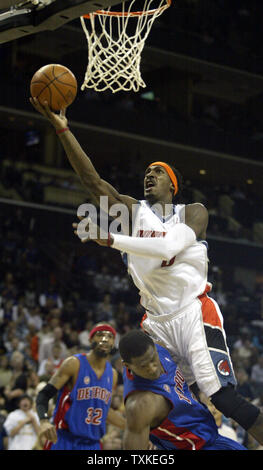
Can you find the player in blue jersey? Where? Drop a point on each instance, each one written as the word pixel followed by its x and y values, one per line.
pixel 84 383
pixel 159 405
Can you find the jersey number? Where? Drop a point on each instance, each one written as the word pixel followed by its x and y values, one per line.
pixel 168 263
pixel 94 416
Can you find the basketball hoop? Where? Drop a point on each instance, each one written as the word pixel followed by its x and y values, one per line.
pixel 115 43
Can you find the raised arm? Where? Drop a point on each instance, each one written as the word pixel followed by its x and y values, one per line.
pixel 80 162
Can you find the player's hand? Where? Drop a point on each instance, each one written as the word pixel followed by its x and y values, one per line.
pixel 47 431
pixel 87 230
pixel 151 446
pixel 59 121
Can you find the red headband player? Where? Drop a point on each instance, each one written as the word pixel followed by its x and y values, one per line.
pixel 85 383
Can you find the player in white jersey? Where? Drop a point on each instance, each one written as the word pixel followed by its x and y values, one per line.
pixel 162 290
pixel 169 287
pixel 170 271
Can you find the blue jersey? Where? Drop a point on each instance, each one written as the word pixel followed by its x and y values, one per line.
pixel 189 425
pixel 83 410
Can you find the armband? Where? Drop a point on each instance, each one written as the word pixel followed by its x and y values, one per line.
pixel 235 406
pixel 49 391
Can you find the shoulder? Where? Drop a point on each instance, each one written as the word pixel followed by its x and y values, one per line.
pixel 140 403
pixel 143 408
pixel 129 201
pixel 13 415
pixel 196 217
pixel 70 364
pixel 67 373
pixel 196 208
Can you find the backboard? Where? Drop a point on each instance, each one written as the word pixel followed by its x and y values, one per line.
pixel 22 18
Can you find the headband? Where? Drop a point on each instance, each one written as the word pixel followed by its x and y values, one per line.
pixel 102 328
pixel 171 174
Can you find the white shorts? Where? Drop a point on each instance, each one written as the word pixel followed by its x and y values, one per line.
pixel 196 339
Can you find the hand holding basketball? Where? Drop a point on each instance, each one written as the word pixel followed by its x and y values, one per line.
pixel 59 121
pixel 53 88
pixel 54 84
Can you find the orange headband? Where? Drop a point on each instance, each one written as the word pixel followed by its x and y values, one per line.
pixel 170 174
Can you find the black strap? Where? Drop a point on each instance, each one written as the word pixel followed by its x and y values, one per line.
pixel 49 391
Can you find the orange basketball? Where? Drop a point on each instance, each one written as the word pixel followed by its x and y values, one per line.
pixel 55 84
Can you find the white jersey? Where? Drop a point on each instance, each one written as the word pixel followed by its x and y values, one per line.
pixel 168 286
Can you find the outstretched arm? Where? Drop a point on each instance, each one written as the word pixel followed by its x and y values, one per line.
pixel 164 248
pixel 80 162
pixel 176 240
pixel 180 237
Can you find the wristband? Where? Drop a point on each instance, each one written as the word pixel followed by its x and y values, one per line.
pixel 60 131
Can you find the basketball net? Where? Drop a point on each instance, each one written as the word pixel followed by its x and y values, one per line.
pixel 115 44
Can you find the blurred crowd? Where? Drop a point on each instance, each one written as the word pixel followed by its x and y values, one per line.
pixel 233 27
pixel 235 211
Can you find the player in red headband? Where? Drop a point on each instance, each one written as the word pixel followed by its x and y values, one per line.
pixel 84 383
pixel 101 338
pixel 167 259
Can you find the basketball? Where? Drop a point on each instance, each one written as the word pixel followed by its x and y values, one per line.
pixel 55 84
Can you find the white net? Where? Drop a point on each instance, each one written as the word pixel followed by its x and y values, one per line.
pixel 115 44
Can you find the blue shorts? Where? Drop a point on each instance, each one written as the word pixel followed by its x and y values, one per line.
pixel 224 443
pixel 220 443
pixel 67 441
